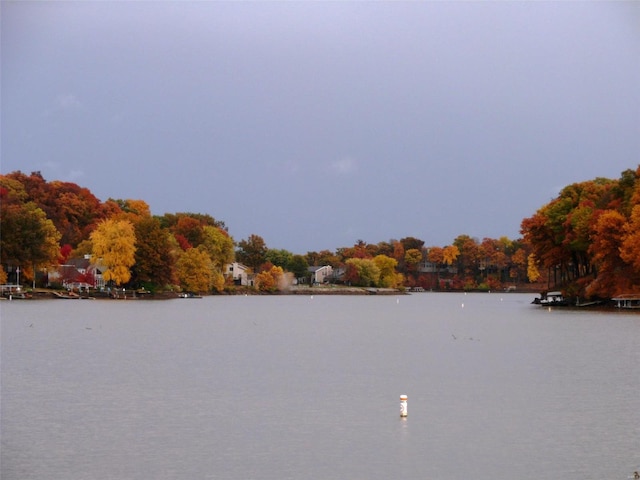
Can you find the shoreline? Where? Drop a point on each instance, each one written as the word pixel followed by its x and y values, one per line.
pixel 50 294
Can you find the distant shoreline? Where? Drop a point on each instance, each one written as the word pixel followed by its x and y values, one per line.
pixel 47 294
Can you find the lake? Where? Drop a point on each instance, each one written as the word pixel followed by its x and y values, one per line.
pixel 301 387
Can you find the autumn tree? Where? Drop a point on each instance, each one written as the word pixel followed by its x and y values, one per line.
pixel 533 274
pixel 12 191
pixel 154 259
pixel 65 253
pixel 398 251
pixel 74 210
pixel 450 254
pixel 606 248
pixel 29 239
pixel 518 264
pixel 435 255
pixel 252 251
pixel 389 277
pixel 182 242
pixel 114 246
pixel 359 250
pixel 630 248
pixel 219 246
pixel 412 258
pixel 580 237
pixel 170 220
pixel 469 257
pixel 385 248
pixel 493 258
pixel 280 258
pixel 560 231
pixel 84 248
pixel 190 229
pixel 272 280
pixel 132 210
pixel 299 266
pixel 546 249
pixel 440 257
pixel 323 257
pixel 195 270
pixel 34 186
pixel 409 243
pixel 111 209
pixel 362 272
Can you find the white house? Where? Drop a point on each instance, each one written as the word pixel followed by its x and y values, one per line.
pixel 241 274
pixel 320 274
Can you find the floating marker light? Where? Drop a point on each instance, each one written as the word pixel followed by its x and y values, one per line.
pixel 403 405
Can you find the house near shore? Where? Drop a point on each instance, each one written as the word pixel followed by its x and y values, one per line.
pixel 320 274
pixel 426 266
pixel 338 275
pixel 239 273
pixel 77 273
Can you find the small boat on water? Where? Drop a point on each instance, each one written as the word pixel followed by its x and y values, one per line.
pixel 189 295
pixel 551 299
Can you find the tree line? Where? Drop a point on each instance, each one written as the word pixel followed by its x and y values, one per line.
pixel 587 240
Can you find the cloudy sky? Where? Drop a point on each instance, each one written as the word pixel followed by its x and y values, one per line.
pixel 316 124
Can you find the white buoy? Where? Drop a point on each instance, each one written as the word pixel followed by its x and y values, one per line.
pixel 403 405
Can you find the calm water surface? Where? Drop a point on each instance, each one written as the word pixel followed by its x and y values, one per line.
pixel 307 388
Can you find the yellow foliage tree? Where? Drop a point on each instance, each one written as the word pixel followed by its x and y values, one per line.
pixel 218 244
pixel 271 280
pixel 449 254
pixel 132 210
pixel 412 257
pixel 85 247
pixel 532 268
pixel 217 281
pixel 389 278
pixel 363 272
pixel 195 271
pixel 114 246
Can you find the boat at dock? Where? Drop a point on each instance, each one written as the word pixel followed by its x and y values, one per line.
pixel 189 295
pixel 551 299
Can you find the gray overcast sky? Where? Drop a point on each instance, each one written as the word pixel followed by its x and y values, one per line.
pixel 316 124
